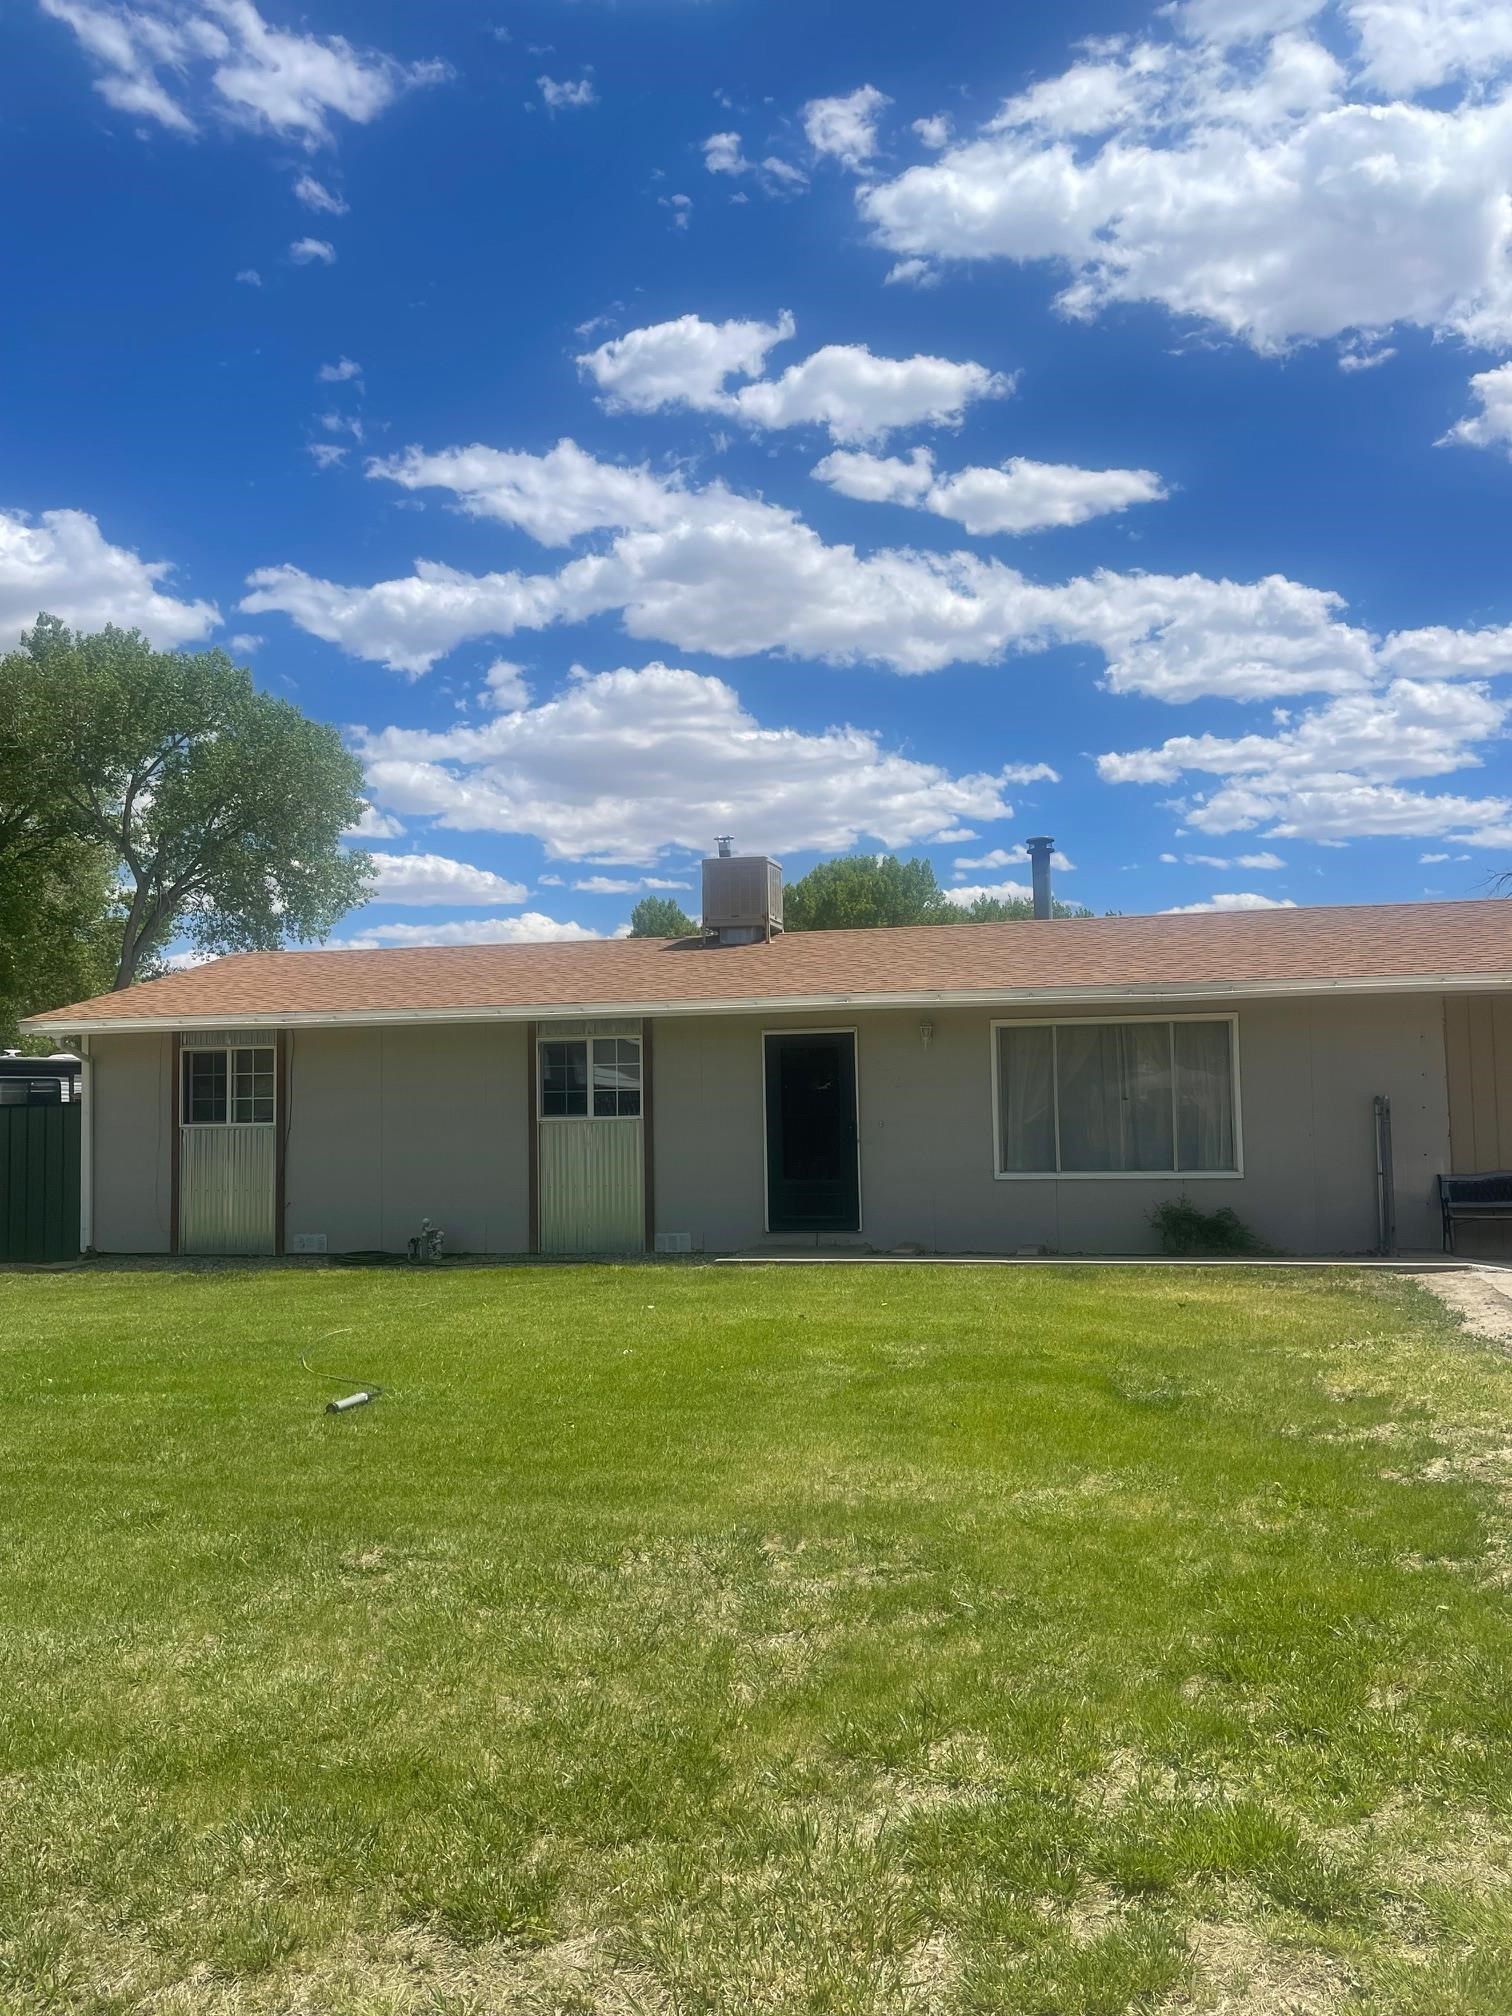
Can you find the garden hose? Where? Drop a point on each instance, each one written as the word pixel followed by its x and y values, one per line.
pixel 367 1391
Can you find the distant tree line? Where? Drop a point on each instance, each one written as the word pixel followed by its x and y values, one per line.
pixel 858 892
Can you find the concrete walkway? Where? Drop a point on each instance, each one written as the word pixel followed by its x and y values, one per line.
pixel 1405 1263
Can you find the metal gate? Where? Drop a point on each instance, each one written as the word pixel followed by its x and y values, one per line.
pixel 39 1182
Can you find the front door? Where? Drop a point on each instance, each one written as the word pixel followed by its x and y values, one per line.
pixel 813 1180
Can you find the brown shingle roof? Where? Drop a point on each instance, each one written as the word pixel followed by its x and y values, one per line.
pixel 1375 946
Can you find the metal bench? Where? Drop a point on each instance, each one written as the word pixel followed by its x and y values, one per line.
pixel 1483 1197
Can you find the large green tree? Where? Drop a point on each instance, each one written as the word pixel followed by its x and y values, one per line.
pixel 1010 909
pixel 60 926
pixel 861 891
pixel 661 917
pixel 220 809
pixel 858 891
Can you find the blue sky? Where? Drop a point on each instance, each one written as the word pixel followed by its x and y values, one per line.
pixel 1090 420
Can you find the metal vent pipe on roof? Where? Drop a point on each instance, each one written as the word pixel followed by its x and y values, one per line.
pixel 1040 850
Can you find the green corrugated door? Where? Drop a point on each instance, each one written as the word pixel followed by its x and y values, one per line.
pixel 39 1182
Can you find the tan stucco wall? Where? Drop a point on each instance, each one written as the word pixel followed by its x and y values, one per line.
pixel 131 1118
pixel 389 1126
pixel 1308 1073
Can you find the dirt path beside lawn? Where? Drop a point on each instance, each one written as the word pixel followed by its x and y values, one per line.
pixel 1482 1298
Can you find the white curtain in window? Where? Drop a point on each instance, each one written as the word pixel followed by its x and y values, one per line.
pixel 1115 1096
pixel 1026 1099
pixel 1204 1095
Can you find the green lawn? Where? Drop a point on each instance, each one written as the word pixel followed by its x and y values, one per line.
pixel 693 1639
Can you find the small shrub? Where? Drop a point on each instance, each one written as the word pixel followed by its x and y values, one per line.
pixel 1184 1229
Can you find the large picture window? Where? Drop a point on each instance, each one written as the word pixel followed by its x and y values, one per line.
pixel 1146 1098
pixel 597 1075
pixel 230 1087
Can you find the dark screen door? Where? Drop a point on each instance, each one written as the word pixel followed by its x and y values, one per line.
pixel 813 1184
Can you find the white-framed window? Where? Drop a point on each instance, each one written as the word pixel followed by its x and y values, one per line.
pixel 596 1077
pixel 1146 1097
pixel 228 1087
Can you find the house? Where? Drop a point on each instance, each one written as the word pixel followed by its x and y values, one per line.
pixel 957 1088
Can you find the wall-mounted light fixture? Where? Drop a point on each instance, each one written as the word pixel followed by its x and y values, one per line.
pixel 926 1033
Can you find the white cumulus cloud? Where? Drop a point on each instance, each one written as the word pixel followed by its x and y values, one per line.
pixel 1017 496
pixel 435 879
pixel 722 155
pixel 505 687
pixel 1008 857
pixel 686 362
pixel 567 94
pixel 179 63
pixel 1223 862
pixel 627 885
pixel 1243 900
pixel 62 563
pixel 1491 427
pixel 1409 46
pixel 375 825
pixel 845 128
pixel 1245 175
pixel 313 252
pixel 703 765
pixel 315 196
pixel 531 927
pixel 708 569
pixel 859 397
pixel 842 387
pixel 1347 769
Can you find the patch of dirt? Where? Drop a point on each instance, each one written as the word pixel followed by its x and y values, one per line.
pixel 1096 1911
pixel 896 1797
pixel 1485 1308
pixel 416 1971
pixel 1246 1974
pixel 929 1972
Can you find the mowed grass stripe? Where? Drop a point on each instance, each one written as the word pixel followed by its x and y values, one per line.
pixel 696 1640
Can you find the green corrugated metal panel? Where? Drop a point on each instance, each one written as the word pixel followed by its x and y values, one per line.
pixel 39 1182
pixel 592 1198
pixel 226 1190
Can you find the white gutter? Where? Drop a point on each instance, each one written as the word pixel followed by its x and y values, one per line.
pixel 86 1151
pixel 772 1004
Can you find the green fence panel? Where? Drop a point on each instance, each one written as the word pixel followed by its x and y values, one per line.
pixel 39 1182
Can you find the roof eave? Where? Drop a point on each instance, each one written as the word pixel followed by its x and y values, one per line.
pixel 65 1024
